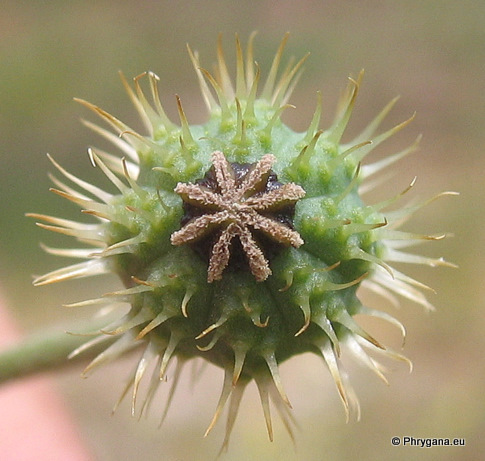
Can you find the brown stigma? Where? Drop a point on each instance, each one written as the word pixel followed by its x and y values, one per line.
pixel 238 200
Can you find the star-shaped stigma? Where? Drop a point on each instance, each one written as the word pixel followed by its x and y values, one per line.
pixel 235 200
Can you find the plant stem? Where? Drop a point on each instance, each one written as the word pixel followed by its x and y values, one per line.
pixel 41 352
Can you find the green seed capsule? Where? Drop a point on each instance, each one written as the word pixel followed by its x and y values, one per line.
pixel 240 241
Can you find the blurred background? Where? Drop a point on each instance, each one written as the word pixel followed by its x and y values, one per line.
pixel 431 53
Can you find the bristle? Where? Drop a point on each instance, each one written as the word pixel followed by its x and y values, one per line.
pixel 284 412
pixel 239 357
pixel 412 282
pixel 358 228
pixel 274 370
pixel 243 139
pixel 128 322
pixel 255 315
pixel 134 186
pixel 354 405
pixel 274 119
pixel 65 188
pixel 303 158
pixel 270 81
pixel 363 358
pixel 241 90
pixel 252 93
pixel 289 281
pixel 227 388
pixel 224 317
pixel 359 253
pixel 215 338
pixel 185 151
pixel 134 290
pixel 234 404
pixel 108 173
pixel 315 123
pixel 126 389
pixel 119 347
pixel 352 184
pixel 81 234
pixel 281 94
pixel 81 253
pixel 368 132
pixel 304 305
pixel 118 142
pixel 373 168
pixel 186 134
pixel 173 387
pixel 139 101
pixel 88 204
pixel 141 143
pixel 148 355
pixel 113 121
pixel 388 353
pixel 223 74
pixel 382 137
pixel 294 82
pixel 310 150
pixel 221 96
pixel 95 191
pixel 345 319
pixel 188 295
pixel 99 339
pixel 381 291
pixel 398 217
pixel 328 355
pixel 263 384
pixel 240 127
pixel 390 234
pixel 401 288
pixel 347 104
pixel 167 123
pixel 169 352
pixel 353 151
pixel 118 125
pixel 209 100
pixel 158 320
pixel 67 223
pixel 93 302
pixel 385 203
pixel 320 318
pixel 97 214
pixel 402 257
pixel 85 269
pixel 124 246
pixel 154 119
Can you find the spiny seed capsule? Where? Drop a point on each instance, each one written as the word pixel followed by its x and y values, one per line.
pixel 239 241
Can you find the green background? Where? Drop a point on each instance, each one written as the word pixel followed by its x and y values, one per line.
pixel 432 53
